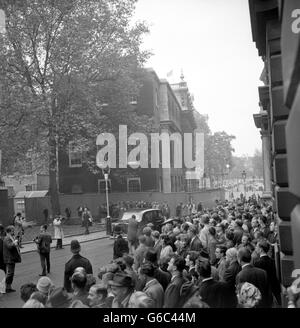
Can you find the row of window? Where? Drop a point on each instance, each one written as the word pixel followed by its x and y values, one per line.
pixel 177 183
pixel 133 185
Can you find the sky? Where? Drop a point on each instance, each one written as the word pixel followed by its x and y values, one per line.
pixel 211 42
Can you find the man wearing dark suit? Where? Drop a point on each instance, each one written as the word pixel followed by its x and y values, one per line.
pixel 2 235
pixel 11 256
pixel 255 276
pixel 215 294
pixel 173 297
pixel 238 232
pixel 195 243
pixel 120 244
pixel 266 263
pixel 76 261
pixel 43 241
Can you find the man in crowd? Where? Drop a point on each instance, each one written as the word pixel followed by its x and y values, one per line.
pixel 11 256
pixel 122 289
pixel 172 297
pixel 97 296
pixel 43 241
pixel 76 261
pixel 254 276
pixel 132 236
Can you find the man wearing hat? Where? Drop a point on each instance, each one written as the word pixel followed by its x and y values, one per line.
pixel 122 287
pixel 76 261
pixel 59 298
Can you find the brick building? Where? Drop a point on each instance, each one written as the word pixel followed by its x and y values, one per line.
pixel 158 99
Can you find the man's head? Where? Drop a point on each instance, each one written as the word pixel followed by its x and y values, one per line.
pixel 244 256
pixel 78 280
pixel 245 239
pixel 191 258
pixel 155 234
pixel 192 231
pixel 75 246
pixel 10 230
pixel 129 260
pixel 133 216
pixel 146 271
pixel 263 247
pixel 176 263
pixel 204 269
pixel 121 285
pixel 205 219
pixel 97 294
pixel 147 231
pixel 151 256
pixel 220 252
pixel 142 239
pixel 27 290
pixel 44 228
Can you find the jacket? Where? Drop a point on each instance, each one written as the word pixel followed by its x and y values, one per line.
pixel 11 252
pixel 173 297
pixel 196 244
pixel 2 264
pixel 58 230
pixel 139 256
pixel 267 264
pixel 230 274
pixel 43 241
pixel 120 247
pixel 155 290
pixel 76 261
pixel 259 279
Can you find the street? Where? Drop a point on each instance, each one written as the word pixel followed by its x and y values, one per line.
pixel 99 252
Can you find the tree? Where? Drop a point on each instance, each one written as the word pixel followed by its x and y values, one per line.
pixel 218 154
pixel 65 55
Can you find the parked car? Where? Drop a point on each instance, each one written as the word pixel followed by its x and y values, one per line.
pixel 143 217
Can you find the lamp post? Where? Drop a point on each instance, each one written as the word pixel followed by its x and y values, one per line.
pixel 106 172
pixel 244 178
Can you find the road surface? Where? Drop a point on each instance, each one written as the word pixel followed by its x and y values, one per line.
pixel 99 252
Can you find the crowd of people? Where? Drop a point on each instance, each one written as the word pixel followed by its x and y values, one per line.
pixel 221 257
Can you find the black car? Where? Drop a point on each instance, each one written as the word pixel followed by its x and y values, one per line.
pixel 143 217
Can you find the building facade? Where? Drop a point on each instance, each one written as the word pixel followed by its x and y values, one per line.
pixel 159 100
pixel 276 33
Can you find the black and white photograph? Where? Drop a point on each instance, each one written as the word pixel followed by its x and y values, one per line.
pixel 149 157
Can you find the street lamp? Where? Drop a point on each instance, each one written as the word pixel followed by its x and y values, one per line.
pixel 244 178
pixel 105 172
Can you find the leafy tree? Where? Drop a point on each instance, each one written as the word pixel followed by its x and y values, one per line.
pixel 218 154
pixel 65 56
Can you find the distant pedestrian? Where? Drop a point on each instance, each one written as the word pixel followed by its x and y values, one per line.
pixel 2 235
pixel 132 232
pixel 43 241
pixel 80 211
pixel 46 215
pixel 58 231
pixel 86 219
pixel 11 256
pixel 19 230
pixel 68 213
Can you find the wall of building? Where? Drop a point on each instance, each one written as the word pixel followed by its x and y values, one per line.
pixel 34 206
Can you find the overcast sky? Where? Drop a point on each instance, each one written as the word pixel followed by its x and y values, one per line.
pixel 211 41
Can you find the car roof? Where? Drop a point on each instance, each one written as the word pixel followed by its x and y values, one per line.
pixel 141 210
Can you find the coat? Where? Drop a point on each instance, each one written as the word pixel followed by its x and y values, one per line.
pixel 120 247
pixel 267 264
pixel 2 264
pixel 172 298
pixel 155 291
pixel 259 279
pixel 132 230
pixel 76 261
pixel 139 256
pixel 196 244
pixel 11 252
pixel 230 274
pixel 43 241
pixel 58 230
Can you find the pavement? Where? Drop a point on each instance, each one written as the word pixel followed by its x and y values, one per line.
pixel 82 238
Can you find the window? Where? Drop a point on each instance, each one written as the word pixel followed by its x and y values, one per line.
pixel 75 155
pixel 133 184
pixel 102 186
pixel 133 100
pixel 28 187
